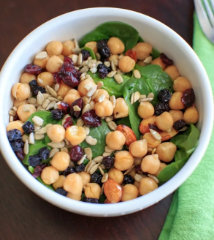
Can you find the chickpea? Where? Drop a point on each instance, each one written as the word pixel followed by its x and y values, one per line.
pixel 68 46
pixel 176 115
pixel 150 164
pixel 123 160
pixel 100 95
pixel 115 45
pixel 71 96
pixel 121 109
pixel 54 63
pixel 60 161
pixel 104 108
pixel 86 177
pixel 92 45
pixel 54 48
pixel 74 196
pixel 45 78
pixel 21 91
pixel 175 102
pixel 172 71
pixel 75 135
pixel 41 61
pixel 59 182
pixel 86 86
pixel 159 62
pixel 73 184
pixel 138 148
pixel 63 89
pixel 144 125
pixel 129 192
pixel 145 110
pixel 56 133
pixel 15 125
pixel 27 77
pixel 191 115
pixel 18 103
pixel 147 185
pixel 113 191
pixel 143 50
pixel 164 121
pixel 49 175
pixel 25 110
pixel 92 190
pixel 151 141
pixel 166 151
pixel 162 166
pixel 126 64
pixel 180 84
pixel 116 175
pixel 115 140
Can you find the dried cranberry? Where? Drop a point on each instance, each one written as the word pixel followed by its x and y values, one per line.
pixel 154 127
pixel 188 97
pixel 20 154
pixel 178 125
pixel 90 200
pixel 35 160
pixel 108 162
pixel 128 179
pixel 44 153
pixel 161 107
pixel 35 88
pixel 14 135
pixel 103 70
pixel 76 153
pixel 38 170
pixel 64 107
pixel 17 145
pixel 33 69
pixel 76 107
pixel 57 114
pixel 167 61
pixel 61 191
pixel 68 171
pixel 96 178
pixel 164 95
pixel 28 127
pixel 80 168
pixel 103 49
pixel 85 54
pixel 68 122
pixel 91 119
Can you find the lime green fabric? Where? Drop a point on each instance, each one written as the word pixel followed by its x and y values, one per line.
pixel 191 214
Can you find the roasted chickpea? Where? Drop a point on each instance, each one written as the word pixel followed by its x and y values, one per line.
pixel 172 71
pixel 162 166
pixel 129 192
pixel 92 190
pixel 87 87
pixel 92 45
pixel 56 133
pixel 147 185
pixel 60 161
pixel 126 64
pixel 143 50
pixel 68 46
pixel 104 108
pixel 164 121
pixel 74 196
pixel 123 160
pixel 150 164
pixel 144 125
pixel 21 91
pixel 151 141
pixel 100 95
pixel 49 175
pixel 45 78
pixel 138 148
pixel 191 115
pixel 63 89
pixel 41 59
pixel 116 175
pixel 166 151
pixel 181 84
pixel 145 110
pixel 115 45
pixel 75 135
pixel 54 48
pixel 18 103
pixel 175 102
pixel 115 140
pixel 71 96
pixel 54 63
pixel 121 109
pixel 15 125
pixel 176 115
pixel 59 182
pixel 27 77
pixel 73 184
pixel 159 62
pixel 25 110
pixel 86 177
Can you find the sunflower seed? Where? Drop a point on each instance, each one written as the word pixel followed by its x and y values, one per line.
pixel 108 149
pixel 79 61
pixel 111 74
pixel 74 58
pixel 50 105
pixel 106 154
pixel 91 91
pixel 90 140
pixel 32 100
pixel 113 100
pixel 11 118
pixel 26 147
pixel 84 69
pixel 135 97
pixel 98 159
pixel 112 125
pixel 31 138
pixel 101 170
pixel 118 78
pixel 64 149
pixel 40 98
pixel 45 103
pixel 80 122
pixel 38 121
pixel 108 119
pixel 138 177
pixel 154 178
pixel 39 136
pixel 86 108
pixel 104 178
pixel 76 108
pixel 56 87
pixel 41 130
pixel 155 134
pixel 82 159
pixel 89 166
pixel 107 63
pixel 87 130
pixel 12 113
pixel 41 55
pixel 101 98
pixel 51 91
pixel 53 151
pixel 56 145
pixel 88 153
pixel 148 60
pixel 137 73
pixel 129 170
pixel 24 138
pixel 93 169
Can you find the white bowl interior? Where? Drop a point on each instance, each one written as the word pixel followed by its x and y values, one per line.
pixel 74 25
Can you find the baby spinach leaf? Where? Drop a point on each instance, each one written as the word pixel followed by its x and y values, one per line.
pixel 90 51
pixel 48 186
pixel 125 32
pixel 100 134
pixel 124 121
pixel 155 53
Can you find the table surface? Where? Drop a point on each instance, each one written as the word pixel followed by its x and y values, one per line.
pixel 23 215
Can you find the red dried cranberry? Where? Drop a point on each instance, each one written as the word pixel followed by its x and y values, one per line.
pixel 76 104
pixel 68 122
pixel 76 153
pixel 103 49
pixel 188 97
pixel 178 125
pixel 91 119
pixel 38 170
pixel 64 107
pixel 132 54
pixel 167 61
pixel 108 162
pixel 33 69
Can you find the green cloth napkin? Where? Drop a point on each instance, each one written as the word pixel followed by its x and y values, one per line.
pixel 191 215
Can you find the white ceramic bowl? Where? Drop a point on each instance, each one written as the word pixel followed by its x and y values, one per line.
pixel 75 24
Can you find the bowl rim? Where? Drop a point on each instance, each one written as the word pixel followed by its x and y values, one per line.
pixel 122 208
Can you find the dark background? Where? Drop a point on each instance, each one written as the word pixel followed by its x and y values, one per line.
pixel 25 216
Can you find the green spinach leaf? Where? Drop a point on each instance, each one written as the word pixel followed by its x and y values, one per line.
pixel 123 121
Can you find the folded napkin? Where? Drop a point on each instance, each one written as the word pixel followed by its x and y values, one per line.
pixel 191 215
